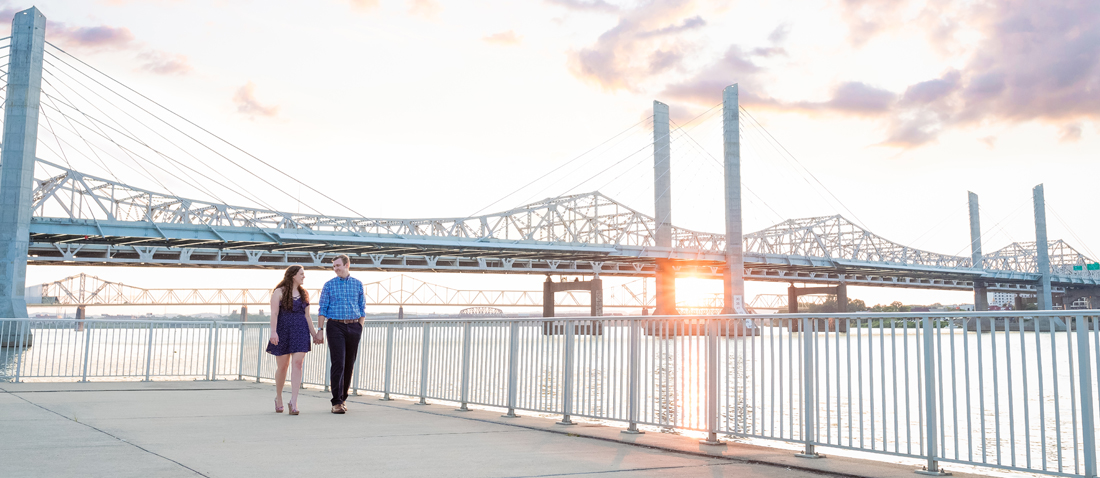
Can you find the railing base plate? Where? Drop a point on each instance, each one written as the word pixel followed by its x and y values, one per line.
pixel 712 443
pixel 809 455
pixel 932 473
pixel 633 432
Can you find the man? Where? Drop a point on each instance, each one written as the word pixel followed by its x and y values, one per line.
pixel 342 306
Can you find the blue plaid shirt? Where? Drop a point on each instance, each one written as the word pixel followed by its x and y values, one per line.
pixel 342 299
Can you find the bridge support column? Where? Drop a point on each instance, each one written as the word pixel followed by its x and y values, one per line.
pixel 17 159
pixel 733 281
pixel 981 298
pixel 81 315
pixel 666 288
pixel 662 200
pixel 244 313
pixel 841 293
pixel 594 287
pixel 1042 251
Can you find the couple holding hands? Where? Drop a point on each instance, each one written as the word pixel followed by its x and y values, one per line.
pixel 342 306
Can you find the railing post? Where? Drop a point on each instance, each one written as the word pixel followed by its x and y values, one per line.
pixel 214 350
pixel 465 368
pixel 1084 371
pixel 712 384
pixel 87 349
pixel 21 347
pixel 328 371
pixel 389 362
pixel 513 350
pixel 809 401
pixel 209 349
pixel 240 358
pixel 356 368
pixel 149 353
pixel 567 374
pixel 632 381
pixel 932 468
pixel 259 352
pixel 424 351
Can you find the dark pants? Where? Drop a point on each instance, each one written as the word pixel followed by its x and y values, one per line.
pixel 343 345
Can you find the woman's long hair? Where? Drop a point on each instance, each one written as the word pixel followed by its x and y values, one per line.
pixel 284 285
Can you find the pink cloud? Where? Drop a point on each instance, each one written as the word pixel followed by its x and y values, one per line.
pixel 247 104
pixel 504 38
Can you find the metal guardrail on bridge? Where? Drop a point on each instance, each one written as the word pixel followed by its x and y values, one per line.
pixel 1007 390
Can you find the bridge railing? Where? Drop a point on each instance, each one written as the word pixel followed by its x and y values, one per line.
pixel 1009 390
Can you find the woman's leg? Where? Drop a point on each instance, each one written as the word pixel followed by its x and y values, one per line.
pixel 296 376
pixel 281 362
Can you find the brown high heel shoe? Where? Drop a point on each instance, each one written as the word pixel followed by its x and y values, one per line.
pixel 278 408
pixel 293 408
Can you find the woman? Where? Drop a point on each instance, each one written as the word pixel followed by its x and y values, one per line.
pixel 291 333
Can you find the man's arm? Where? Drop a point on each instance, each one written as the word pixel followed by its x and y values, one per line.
pixel 362 305
pixel 322 308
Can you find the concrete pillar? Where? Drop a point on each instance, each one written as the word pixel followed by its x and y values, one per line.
pixel 244 313
pixel 596 293
pixel 548 297
pixel 981 297
pixel 1042 251
pixel 842 298
pixel 81 316
pixel 17 158
pixel 662 199
pixel 400 312
pixel 792 300
pixel 734 277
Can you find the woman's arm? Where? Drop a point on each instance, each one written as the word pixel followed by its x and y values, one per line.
pixel 276 299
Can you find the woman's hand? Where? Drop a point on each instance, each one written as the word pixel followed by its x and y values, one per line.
pixel 318 338
pixel 274 338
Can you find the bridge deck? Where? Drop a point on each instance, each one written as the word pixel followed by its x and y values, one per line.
pixel 168 429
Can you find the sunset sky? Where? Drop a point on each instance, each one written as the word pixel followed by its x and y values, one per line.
pixel 889 111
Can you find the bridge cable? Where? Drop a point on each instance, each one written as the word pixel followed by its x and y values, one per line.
pixel 234 146
pixel 128 134
pixel 631 127
pixel 1070 230
pixel 86 143
pixel 792 156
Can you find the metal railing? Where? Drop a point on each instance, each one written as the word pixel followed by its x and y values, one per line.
pixel 1008 390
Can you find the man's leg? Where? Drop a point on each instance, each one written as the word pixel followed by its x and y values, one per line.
pixel 351 347
pixel 336 333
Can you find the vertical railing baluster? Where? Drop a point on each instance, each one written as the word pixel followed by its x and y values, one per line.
pixel 20 345
pixel 809 405
pixel 149 353
pixel 567 374
pixel 632 380
pixel 513 350
pixel 1083 370
pixel 932 468
pixel 240 357
pixel 465 367
pixel 712 383
pixel 209 350
pixel 389 362
pixel 425 338
pixel 87 349
pixel 259 351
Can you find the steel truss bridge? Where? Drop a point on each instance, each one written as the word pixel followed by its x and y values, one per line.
pixel 83 219
pixel 78 218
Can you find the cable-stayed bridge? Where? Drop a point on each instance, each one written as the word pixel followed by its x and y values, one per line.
pixel 53 213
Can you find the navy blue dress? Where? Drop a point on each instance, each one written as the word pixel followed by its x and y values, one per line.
pixel 293 330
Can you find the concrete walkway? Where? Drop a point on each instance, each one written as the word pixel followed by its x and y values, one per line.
pixel 229 429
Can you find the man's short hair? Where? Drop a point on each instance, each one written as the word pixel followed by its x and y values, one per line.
pixel 343 257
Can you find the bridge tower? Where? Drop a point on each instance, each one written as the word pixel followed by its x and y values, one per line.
pixel 662 197
pixel 17 158
pixel 981 298
pixel 734 277
pixel 1042 251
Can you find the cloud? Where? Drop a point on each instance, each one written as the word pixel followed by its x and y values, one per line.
pixel 164 63
pixel 586 6
pixel 990 141
pixel 363 5
pixel 425 8
pixel 101 37
pixel 648 40
pixel 780 34
pixel 705 87
pixel 245 99
pixel 1070 133
pixel 504 38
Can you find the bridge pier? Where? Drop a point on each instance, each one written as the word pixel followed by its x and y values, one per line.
pixel 17 158
pixel 981 298
pixel 662 201
pixel 733 279
pixel 1042 250
pixel 841 293
pixel 594 287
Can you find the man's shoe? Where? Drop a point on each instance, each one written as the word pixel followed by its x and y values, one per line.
pixel 344 406
pixel 338 409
